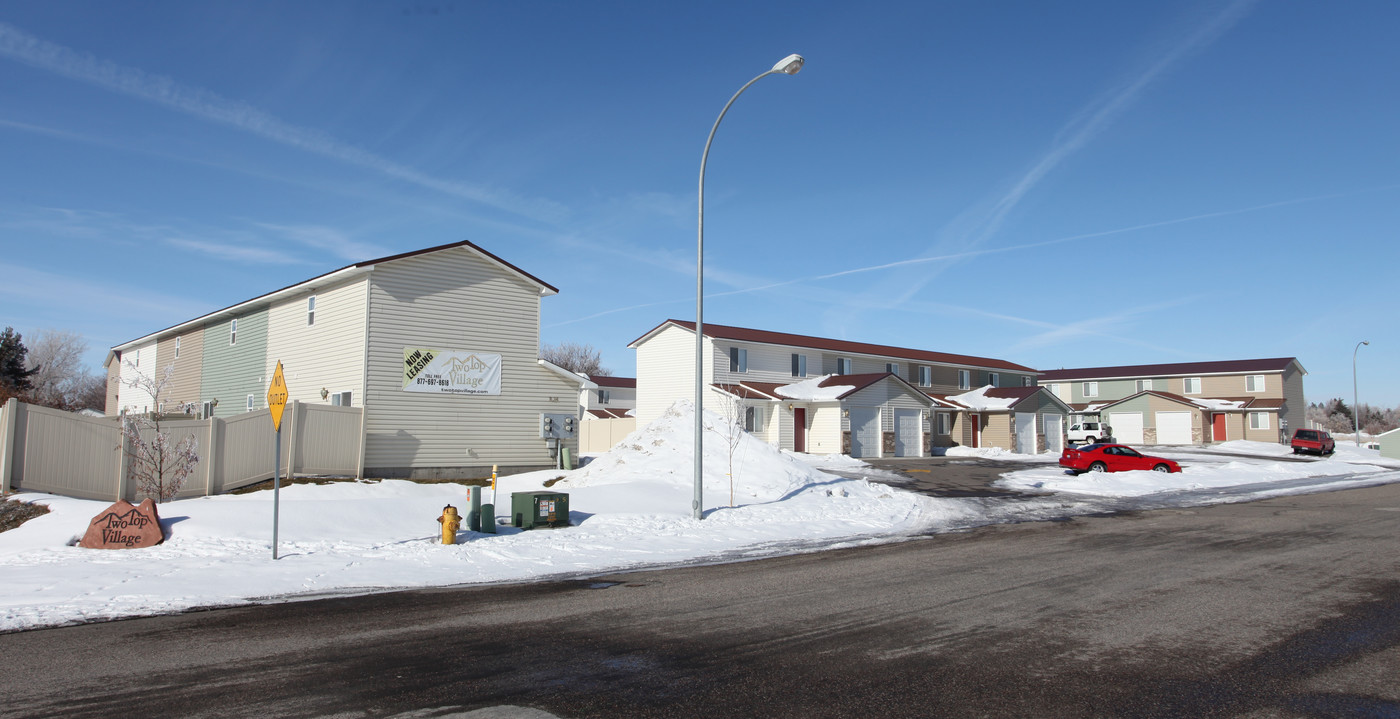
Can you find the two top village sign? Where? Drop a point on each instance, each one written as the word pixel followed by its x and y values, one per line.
pixel 451 371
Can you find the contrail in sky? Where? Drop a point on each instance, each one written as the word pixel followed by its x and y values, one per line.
pixel 30 50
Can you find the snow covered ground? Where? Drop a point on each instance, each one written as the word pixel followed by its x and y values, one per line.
pixel 630 510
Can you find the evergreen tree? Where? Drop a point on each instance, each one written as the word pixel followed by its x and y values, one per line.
pixel 14 378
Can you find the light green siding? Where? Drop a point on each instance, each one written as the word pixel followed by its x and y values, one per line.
pixel 231 372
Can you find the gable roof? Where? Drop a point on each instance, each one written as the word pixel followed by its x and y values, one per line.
pixel 334 276
pixel 1208 403
pixel 1276 364
pixel 744 334
pixel 1009 396
pixel 772 390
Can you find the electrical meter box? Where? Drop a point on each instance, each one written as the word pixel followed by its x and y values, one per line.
pixel 529 510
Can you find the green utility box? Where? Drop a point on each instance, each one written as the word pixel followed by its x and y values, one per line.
pixel 539 509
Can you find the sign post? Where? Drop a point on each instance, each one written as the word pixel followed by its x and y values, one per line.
pixel 276 402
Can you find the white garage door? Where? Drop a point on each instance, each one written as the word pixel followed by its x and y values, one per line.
pixel 865 432
pixel 1025 433
pixel 1054 433
pixel 1127 427
pixel 1173 428
pixel 908 432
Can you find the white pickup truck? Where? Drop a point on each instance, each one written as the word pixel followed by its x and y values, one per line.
pixel 1087 432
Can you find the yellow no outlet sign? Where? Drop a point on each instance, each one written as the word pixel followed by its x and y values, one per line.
pixel 277 397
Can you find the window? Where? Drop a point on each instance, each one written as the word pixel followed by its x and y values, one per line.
pixel 1144 385
pixel 233 333
pixel 738 359
pixel 208 410
pixel 250 403
pixel 604 396
pixel 1254 383
pixel 1091 389
pixel 138 358
pixel 994 379
pixel 753 419
pixel 311 310
pixel 177 348
pixel 892 368
pixel 1258 420
pixel 799 365
pixel 964 379
pixel 944 420
pixel 925 376
pixel 843 365
pixel 1026 382
pixel 340 399
pixel 1192 385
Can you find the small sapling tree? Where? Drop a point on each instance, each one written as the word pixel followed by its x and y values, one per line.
pixel 731 431
pixel 159 464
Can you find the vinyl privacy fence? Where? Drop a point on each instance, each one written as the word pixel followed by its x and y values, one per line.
pixel 48 450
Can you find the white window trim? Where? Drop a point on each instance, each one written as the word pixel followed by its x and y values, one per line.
pixel 892 368
pixel 338 398
pixel 604 396
pixel 1085 387
pixel 738 360
pixel 1026 382
pixel 1186 385
pixel 994 379
pixel 251 399
pixel 177 348
pixel 800 360
pixel 233 332
pixel 945 424
pixel 964 379
pixel 1145 385
pixel 311 311
pixel 1259 386
pixel 925 376
pixel 843 365
pixel 1259 418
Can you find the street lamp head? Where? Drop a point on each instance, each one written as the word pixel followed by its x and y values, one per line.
pixel 789 65
pixel 1364 342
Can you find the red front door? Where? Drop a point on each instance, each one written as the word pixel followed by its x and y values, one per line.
pixel 975 422
pixel 799 429
pixel 1217 427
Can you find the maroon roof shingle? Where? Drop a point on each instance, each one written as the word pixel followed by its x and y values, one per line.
pixel 1276 364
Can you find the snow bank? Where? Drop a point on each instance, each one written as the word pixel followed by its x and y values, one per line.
pixel 810 390
pixel 978 399
pixel 1212 475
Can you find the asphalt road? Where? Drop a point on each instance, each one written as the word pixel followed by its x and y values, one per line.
pixel 1280 608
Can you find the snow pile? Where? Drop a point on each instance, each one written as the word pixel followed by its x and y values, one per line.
pixel 810 390
pixel 1218 404
pixel 1193 477
pixel 978 399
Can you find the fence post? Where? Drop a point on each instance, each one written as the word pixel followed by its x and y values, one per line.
pixel 360 468
pixel 211 456
pixel 121 458
pixel 9 421
pixel 292 441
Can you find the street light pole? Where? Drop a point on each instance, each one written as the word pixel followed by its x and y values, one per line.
pixel 787 66
pixel 1355 407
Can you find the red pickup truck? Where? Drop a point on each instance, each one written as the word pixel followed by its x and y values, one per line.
pixel 1313 440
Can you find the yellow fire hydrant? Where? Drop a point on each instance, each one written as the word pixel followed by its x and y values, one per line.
pixel 451 522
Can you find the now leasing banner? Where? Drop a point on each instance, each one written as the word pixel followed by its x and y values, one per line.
pixel 451 371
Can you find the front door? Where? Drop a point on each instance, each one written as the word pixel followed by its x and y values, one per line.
pixel 799 429
pixel 974 422
pixel 1217 427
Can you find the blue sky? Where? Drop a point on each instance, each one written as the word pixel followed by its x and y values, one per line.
pixel 1054 184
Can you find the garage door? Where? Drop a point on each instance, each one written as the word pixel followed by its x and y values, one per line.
pixel 1054 433
pixel 1173 428
pixel 1025 433
pixel 1127 427
pixel 865 432
pixel 908 432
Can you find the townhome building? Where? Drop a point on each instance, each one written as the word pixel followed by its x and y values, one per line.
pixel 609 398
pixel 440 346
pixel 827 396
pixel 1187 402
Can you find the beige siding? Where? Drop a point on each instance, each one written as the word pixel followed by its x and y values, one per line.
pixel 184 384
pixel 997 431
pixel 326 355
pixel 1234 385
pixel 457 300
pixel 665 372
pixel 825 435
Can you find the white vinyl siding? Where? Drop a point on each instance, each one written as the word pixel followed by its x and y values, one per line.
pixel 131 398
pixel 326 355
pixel 457 300
pixel 666 371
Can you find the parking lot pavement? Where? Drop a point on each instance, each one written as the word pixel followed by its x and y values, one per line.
pixel 948 476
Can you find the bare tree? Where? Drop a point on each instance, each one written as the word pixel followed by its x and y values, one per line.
pixel 572 356
pixel 159 464
pixel 59 378
pixel 731 430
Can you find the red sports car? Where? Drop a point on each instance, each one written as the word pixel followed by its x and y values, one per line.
pixel 1113 458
